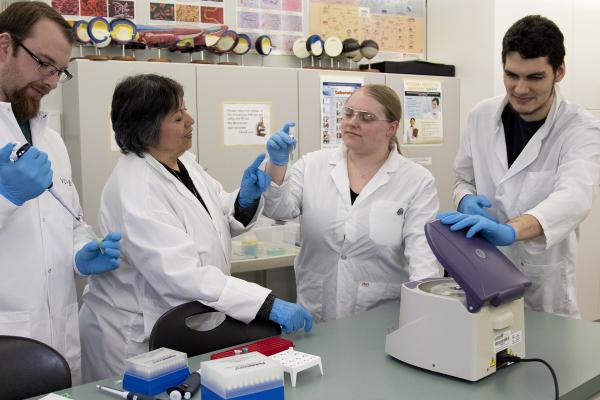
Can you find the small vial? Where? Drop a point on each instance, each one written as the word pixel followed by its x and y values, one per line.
pixel 291 131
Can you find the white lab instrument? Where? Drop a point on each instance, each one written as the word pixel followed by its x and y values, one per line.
pixel 457 332
pixel 295 361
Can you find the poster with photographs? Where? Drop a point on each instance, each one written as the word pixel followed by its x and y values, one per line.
pixel 423 112
pixel 335 90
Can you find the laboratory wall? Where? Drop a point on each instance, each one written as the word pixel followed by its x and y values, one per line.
pixel 468 34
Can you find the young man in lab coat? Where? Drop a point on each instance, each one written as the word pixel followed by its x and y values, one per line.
pixel 39 239
pixel 527 167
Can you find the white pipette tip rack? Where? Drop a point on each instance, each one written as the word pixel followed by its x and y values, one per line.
pixel 295 361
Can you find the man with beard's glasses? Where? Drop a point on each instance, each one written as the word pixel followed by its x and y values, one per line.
pixel 41 245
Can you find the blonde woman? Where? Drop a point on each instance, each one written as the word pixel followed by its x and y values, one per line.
pixel 363 208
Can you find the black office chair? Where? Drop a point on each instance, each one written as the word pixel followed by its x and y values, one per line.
pixel 30 368
pixel 174 330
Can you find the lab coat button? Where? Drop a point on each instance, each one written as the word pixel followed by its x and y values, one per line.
pixel 344 257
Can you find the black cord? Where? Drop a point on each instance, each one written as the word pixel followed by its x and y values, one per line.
pixel 505 357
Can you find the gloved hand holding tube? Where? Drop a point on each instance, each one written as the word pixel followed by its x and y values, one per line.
pixel 290 316
pixel 99 256
pixel 254 183
pixel 25 178
pixel 496 233
pixel 474 205
pixel 281 144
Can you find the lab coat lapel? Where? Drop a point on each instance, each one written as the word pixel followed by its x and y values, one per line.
pixel 179 186
pixel 381 177
pixel 212 204
pixel 339 173
pixel 532 150
pixel 9 118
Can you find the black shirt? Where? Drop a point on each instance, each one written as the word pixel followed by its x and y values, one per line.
pixel 26 129
pixel 517 132
pixel 353 196
pixel 244 215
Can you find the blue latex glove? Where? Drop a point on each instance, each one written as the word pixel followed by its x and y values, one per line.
pixel 26 178
pixel 280 144
pixel 496 233
pixel 97 257
pixel 290 316
pixel 254 183
pixel 474 205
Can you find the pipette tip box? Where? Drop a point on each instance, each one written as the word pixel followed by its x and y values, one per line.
pixel 247 376
pixel 154 372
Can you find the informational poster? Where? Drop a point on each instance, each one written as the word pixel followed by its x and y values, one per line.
pixel 188 12
pixel 397 26
pixel 280 19
pixel 246 123
pixel 335 90
pixel 423 112
pixel 76 9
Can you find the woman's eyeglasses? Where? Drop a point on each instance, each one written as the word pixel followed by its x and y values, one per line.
pixel 363 116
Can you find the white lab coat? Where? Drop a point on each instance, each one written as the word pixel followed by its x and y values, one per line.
pixel 37 242
pixel 172 252
pixel 553 179
pixel 356 256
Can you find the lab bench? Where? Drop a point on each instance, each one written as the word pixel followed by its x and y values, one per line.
pixel 356 366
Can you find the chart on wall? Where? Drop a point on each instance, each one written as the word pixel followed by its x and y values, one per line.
pixel 398 26
pixel 281 19
pixel 170 12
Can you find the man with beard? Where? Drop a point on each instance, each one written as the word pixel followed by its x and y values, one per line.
pixel 38 237
pixel 532 160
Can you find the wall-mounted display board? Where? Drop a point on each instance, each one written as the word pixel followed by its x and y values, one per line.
pixel 398 26
pixel 156 12
pixel 281 19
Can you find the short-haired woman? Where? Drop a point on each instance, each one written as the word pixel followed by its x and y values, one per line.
pixel 177 224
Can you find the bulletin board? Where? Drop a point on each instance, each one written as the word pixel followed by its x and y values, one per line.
pixel 398 26
pixel 155 12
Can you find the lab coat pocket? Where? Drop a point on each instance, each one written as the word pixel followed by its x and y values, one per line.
pixel 15 323
pixel 386 220
pixel 550 286
pixel 536 187
pixel 372 294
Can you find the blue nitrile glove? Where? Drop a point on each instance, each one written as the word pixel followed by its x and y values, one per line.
pixel 474 205
pixel 496 233
pixel 26 178
pixel 290 316
pixel 280 144
pixel 99 256
pixel 254 183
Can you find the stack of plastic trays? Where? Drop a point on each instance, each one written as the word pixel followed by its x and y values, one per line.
pixel 156 371
pixel 248 376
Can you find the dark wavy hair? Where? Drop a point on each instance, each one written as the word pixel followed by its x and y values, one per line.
pixel 139 105
pixel 535 36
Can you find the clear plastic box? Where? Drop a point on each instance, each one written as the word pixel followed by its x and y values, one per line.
pixel 267 241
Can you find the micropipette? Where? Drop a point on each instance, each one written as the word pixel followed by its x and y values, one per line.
pixel 123 394
pixel 18 153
